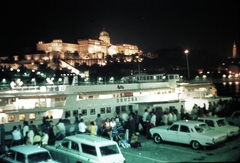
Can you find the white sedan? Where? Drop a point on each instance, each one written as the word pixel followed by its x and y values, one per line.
pixel 27 154
pixel 220 124
pixel 195 133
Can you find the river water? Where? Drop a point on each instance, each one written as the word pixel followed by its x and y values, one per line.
pixel 228 88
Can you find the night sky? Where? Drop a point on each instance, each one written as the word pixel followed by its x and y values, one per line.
pixel 209 25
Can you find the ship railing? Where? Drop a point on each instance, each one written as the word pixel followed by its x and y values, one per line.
pixel 195 81
pixel 11 107
pixel 47 88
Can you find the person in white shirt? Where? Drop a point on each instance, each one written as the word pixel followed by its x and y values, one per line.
pixel 62 128
pixel 170 118
pixel 125 117
pixel 174 116
pixel 153 120
pixel 45 138
pixel 30 134
pixel 25 128
pixel 165 118
pixel 82 127
pixel 145 114
pixel 112 123
pixel 17 136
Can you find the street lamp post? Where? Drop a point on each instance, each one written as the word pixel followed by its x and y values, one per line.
pixel 186 52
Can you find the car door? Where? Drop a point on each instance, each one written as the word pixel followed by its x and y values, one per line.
pixel 60 153
pixel 184 135
pixel 172 133
pixel 9 157
pixel 88 153
pixel 74 153
pixel 236 119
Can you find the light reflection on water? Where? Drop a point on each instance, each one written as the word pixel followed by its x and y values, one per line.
pixel 228 89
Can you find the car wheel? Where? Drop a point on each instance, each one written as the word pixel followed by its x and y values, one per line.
pixel 195 145
pixel 157 138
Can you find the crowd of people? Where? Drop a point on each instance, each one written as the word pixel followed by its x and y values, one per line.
pixel 29 134
pixel 125 126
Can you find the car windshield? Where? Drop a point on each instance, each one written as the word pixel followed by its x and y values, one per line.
pixel 222 122
pixel 109 150
pixel 200 128
pixel 39 157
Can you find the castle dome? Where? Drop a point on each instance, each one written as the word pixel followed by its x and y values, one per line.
pixel 104 36
pixel 104 33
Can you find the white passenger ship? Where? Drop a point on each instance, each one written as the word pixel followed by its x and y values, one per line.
pixel 32 103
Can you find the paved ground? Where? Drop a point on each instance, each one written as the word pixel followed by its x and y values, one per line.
pixel 171 152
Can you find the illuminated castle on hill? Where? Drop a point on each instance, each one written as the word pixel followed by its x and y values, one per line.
pixel 88 51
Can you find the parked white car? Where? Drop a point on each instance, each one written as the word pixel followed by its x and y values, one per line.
pixel 234 118
pixel 220 124
pixel 27 154
pixel 86 148
pixel 196 134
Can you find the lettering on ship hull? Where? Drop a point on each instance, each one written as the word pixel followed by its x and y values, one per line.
pixel 127 99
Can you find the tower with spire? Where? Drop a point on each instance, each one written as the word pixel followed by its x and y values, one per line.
pixel 234 54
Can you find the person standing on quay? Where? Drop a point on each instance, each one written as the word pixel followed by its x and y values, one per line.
pixel 92 129
pixel 17 137
pixel 131 125
pixel 144 120
pixel 30 134
pixel 99 124
pixel 45 138
pixel 51 133
pixel 136 119
pixel 2 139
pixel 62 130
pixel 25 128
pixel 153 120
pixel 82 127
pixel 76 122
pixel 182 112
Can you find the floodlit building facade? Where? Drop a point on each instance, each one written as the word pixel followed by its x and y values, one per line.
pixel 88 51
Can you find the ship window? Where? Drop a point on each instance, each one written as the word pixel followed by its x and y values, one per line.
pixel 92 111
pixel 109 110
pixel 67 114
pixel 90 97
pixel 84 112
pixel 117 109
pixel 21 117
pixel 11 118
pixel 123 108
pixel 75 112
pixel 32 116
pixel 130 107
pixel 102 110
